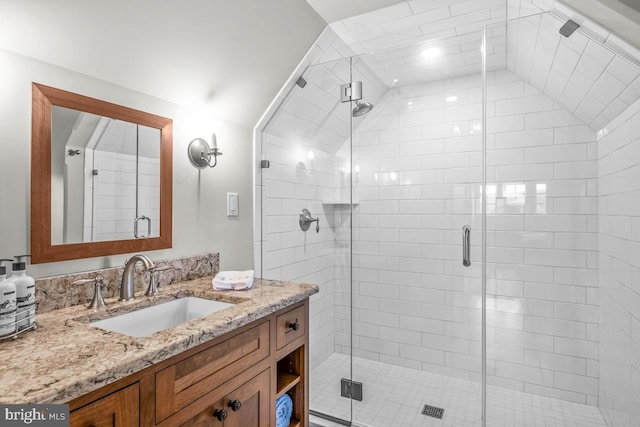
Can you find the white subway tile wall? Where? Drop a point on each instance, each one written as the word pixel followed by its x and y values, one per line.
pixel 417 20
pixel 414 303
pixel 114 195
pixel 124 156
pixel 619 298
pixel 589 80
pixel 309 168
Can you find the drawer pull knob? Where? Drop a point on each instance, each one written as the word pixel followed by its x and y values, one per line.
pixel 235 405
pixel 295 325
pixel 220 414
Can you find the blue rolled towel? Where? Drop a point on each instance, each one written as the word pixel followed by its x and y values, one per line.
pixel 284 409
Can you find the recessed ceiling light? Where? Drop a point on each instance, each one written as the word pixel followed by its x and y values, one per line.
pixel 431 53
pixel 452 98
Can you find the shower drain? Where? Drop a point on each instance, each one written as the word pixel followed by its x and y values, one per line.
pixel 433 411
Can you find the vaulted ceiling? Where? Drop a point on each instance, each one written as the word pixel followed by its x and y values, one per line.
pixel 232 57
pixel 425 40
pixel 587 78
pixel 226 57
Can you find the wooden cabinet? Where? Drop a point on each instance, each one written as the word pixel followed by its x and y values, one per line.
pixel 292 342
pixel 247 405
pixel 291 381
pixel 290 326
pixel 230 381
pixel 118 409
pixel 183 382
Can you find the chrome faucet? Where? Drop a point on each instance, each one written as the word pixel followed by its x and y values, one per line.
pixel 127 287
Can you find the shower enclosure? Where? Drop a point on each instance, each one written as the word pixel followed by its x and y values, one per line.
pixel 471 228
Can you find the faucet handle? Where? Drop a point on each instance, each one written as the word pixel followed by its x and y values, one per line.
pixel 154 284
pixel 98 300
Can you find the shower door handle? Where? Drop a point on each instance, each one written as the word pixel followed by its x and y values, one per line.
pixel 466 246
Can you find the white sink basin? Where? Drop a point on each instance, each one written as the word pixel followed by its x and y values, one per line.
pixel 149 320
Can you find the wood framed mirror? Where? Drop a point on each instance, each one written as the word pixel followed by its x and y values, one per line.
pixel 64 206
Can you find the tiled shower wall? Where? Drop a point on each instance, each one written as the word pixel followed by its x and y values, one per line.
pixel 418 159
pixel 300 143
pixel 309 168
pixel 619 240
pixel 114 196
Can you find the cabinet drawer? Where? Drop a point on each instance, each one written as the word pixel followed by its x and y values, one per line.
pixel 254 406
pixel 290 326
pixel 180 384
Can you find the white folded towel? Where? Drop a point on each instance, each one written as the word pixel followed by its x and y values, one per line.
pixel 235 280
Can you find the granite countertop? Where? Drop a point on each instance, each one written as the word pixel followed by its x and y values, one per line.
pixel 65 358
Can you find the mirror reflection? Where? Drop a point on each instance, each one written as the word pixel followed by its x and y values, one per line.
pixel 101 177
pixel 105 178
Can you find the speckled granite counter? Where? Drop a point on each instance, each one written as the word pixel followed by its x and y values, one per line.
pixel 65 357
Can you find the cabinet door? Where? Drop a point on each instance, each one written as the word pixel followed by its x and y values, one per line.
pixel 255 409
pixel 247 406
pixel 206 418
pixel 119 409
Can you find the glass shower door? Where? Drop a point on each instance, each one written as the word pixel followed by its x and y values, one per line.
pixel 416 174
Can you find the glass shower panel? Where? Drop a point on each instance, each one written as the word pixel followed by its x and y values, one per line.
pixel 306 143
pixel 561 182
pixel 417 179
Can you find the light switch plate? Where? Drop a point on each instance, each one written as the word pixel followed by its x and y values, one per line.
pixel 232 204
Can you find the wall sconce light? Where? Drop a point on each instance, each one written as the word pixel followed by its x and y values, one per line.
pixel 200 153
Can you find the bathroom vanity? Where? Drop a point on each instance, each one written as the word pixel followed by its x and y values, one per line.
pixel 223 369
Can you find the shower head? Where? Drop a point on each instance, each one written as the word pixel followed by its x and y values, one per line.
pixel 361 108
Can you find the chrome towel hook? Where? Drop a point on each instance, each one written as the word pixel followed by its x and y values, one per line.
pixel 306 219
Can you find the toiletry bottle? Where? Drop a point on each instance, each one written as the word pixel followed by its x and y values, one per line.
pixel 7 302
pixel 25 294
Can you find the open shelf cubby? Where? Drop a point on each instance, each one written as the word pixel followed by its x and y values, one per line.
pixel 291 381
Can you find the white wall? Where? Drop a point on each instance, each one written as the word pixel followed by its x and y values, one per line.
pixel 619 236
pixel 231 56
pixel 74 195
pixel 199 197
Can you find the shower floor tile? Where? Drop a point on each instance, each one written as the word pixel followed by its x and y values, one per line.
pixel 394 396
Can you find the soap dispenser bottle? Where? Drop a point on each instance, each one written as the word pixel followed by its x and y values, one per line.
pixel 25 294
pixel 7 302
